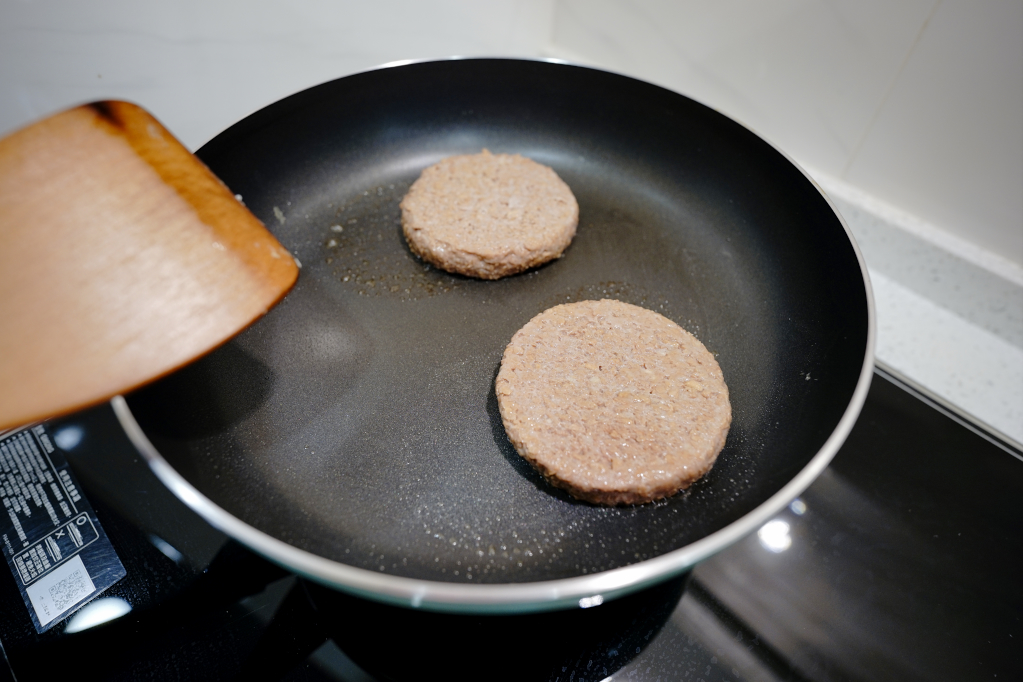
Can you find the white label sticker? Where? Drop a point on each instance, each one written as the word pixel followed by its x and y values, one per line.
pixel 58 591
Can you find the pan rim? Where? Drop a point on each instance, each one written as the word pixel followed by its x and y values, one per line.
pixel 498 598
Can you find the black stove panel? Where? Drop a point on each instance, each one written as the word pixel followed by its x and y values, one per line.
pixel 899 562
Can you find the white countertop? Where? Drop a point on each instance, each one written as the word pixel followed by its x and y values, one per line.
pixel 949 315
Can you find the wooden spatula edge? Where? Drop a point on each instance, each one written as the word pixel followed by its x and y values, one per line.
pixel 122 258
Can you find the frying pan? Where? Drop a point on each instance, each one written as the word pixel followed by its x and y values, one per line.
pixel 352 435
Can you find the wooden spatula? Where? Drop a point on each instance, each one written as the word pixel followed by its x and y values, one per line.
pixel 122 258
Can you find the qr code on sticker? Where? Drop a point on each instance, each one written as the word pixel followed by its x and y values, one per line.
pixel 69 590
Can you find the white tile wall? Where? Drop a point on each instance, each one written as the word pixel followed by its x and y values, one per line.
pixel 947 143
pixel 201 65
pixel 919 102
pixel 807 74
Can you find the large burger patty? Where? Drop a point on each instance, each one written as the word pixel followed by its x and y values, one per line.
pixel 612 402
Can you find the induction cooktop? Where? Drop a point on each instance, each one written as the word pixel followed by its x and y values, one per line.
pixel 901 561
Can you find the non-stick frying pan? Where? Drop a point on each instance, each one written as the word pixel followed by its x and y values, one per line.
pixel 353 435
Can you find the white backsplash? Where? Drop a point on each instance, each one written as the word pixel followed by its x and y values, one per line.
pixel 917 102
pixel 201 65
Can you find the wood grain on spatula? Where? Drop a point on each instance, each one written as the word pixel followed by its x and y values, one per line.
pixel 122 258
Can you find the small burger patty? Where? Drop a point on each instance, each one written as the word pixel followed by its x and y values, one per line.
pixel 488 215
pixel 612 402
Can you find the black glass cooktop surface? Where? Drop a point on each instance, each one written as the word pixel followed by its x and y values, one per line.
pixel 900 562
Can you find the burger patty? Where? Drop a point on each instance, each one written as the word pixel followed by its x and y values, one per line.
pixel 488 215
pixel 612 402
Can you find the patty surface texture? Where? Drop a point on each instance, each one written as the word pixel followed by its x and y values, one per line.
pixel 613 402
pixel 488 215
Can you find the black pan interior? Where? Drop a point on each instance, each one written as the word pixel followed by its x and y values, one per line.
pixel 358 419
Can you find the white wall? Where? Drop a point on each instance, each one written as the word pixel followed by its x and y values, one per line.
pixel 201 65
pixel 917 102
